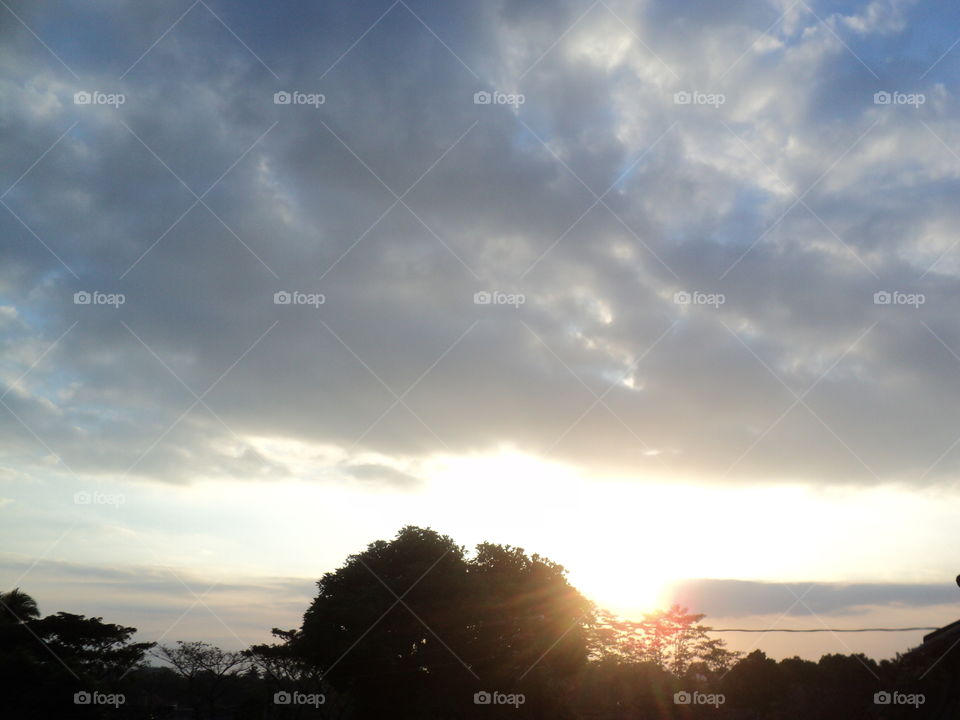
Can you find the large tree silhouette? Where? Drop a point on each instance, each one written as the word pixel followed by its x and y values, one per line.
pixel 414 627
pixel 44 661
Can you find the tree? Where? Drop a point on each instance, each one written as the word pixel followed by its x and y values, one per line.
pixel 379 623
pixel 207 670
pixel 46 660
pixel 673 639
pixel 755 683
pixel 283 670
pixel 413 627
pixel 528 619
pixel 609 688
pixel 100 650
pixel 18 607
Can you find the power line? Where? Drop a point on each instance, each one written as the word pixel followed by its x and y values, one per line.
pixel 820 630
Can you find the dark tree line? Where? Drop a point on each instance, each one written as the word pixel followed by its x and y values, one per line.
pixel 51 664
pixel 416 627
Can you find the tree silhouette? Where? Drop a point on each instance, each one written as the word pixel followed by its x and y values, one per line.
pixel 207 670
pixel 413 627
pixel 674 640
pixel 45 661
pixel 18 607
pixel 90 646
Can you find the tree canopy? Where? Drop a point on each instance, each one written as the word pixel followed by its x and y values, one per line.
pixel 420 627
pixel 417 625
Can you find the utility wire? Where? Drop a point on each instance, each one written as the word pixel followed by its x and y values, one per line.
pixel 818 630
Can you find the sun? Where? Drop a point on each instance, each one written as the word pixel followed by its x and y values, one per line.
pixel 625 590
pixel 590 527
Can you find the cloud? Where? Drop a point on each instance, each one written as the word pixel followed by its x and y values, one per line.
pixel 743 598
pixel 796 199
pixel 381 475
pixel 165 603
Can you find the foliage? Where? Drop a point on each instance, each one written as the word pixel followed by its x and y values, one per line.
pixel 674 640
pixel 414 626
pixel 207 670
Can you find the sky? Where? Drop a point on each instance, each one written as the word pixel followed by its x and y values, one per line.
pixel 665 292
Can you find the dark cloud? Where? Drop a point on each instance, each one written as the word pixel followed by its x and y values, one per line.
pixel 304 198
pixel 743 598
pixel 381 475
